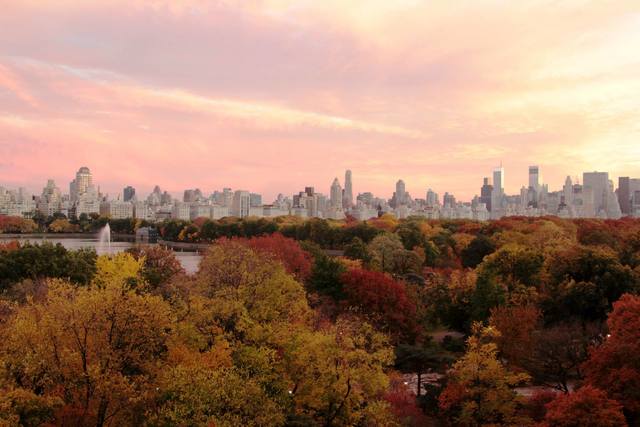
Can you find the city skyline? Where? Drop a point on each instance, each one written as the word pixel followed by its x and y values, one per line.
pixel 514 181
pixel 595 197
pixel 268 94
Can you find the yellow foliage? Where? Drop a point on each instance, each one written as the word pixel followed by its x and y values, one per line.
pixel 118 269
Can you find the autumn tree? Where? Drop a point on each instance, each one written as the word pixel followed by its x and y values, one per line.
pixel 16 224
pixel 26 408
pixel 558 352
pixel 389 255
pixel 221 397
pixel 159 266
pixel 586 407
pixel 63 226
pixel 478 248
pixel 357 249
pixel 480 390
pixel 614 366
pixel 96 348
pixel 337 375
pixel 585 281
pixel 250 294
pixel 516 325
pixel 383 301
pixel 296 261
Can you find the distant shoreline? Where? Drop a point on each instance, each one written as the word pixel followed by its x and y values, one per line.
pixel 61 235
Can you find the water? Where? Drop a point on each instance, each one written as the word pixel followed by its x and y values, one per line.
pixel 104 238
pixel 189 260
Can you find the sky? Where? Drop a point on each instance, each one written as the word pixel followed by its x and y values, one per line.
pixel 275 95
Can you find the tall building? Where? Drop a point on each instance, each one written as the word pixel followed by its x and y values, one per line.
pixel 255 200
pixel 129 192
pixel 79 186
pixel 624 195
pixel 598 182
pixel 431 198
pixel 335 194
pixel 485 193
pixel 51 199
pixel 567 192
pixel 241 204
pixel 534 177
pixel 347 200
pixel 497 193
pixel 401 193
pixel 448 200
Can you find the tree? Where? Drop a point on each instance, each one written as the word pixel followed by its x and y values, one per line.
pixel 25 408
pixel 296 261
pixel 221 397
pixel 559 351
pixel 516 326
pixel 403 404
pixel 16 224
pixel 325 273
pixel 383 301
pixel 451 295
pixel 159 266
pixel 62 226
pixel 480 390
pixel 584 281
pixel 513 265
pixel 96 348
pixel 614 366
pixel 46 260
pixel 250 294
pixel 337 375
pixel 418 359
pixel 474 253
pixel 357 249
pixel 121 268
pixel 389 255
pixel 586 407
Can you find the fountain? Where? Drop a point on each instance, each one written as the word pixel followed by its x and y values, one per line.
pixel 104 240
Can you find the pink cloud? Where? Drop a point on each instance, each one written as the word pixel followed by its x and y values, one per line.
pixel 274 95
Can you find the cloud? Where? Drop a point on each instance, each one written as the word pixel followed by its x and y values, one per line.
pixel 273 95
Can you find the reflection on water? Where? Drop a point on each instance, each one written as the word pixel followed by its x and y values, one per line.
pixel 189 260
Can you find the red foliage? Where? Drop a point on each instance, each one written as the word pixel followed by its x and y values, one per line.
pixel 16 224
pixel 588 407
pixel 453 394
pixel 615 365
pixel 200 221
pixel 403 404
pixel 536 407
pixel 383 300
pixel 598 232
pixel 296 260
pixel 10 246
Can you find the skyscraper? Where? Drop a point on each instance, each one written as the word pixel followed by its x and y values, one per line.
pixel 241 204
pixel 497 193
pixel 79 186
pixel 401 193
pixel 534 177
pixel 335 197
pixel 347 200
pixel 598 182
pixel 624 194
pixel 129 192
pixel 485 193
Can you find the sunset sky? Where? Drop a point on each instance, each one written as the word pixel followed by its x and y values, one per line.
pixel 274 95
